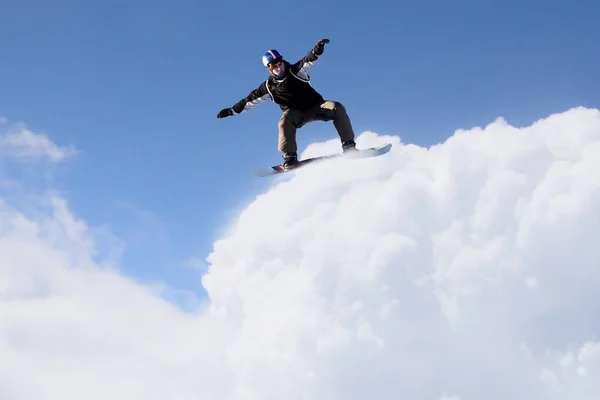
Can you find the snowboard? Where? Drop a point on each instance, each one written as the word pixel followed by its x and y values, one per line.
pixel 360 153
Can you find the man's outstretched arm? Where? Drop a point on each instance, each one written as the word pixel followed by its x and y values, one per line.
pixel 255 97
pixel 309 60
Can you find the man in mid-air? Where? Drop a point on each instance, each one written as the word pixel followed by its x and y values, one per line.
pixel 289 86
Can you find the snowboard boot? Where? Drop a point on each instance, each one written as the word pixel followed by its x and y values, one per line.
pixel 349 147
pixel 290 160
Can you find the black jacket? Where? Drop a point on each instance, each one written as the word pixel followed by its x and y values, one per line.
pixel 293 91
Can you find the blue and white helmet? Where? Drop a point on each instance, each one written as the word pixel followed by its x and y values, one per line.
pixel 270 56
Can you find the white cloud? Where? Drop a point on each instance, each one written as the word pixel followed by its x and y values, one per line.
pixel 465 271
pixel 18 142
pixel 72 328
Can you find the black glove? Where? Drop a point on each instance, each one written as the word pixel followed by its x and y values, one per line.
pixel 226 112
pixel 320 46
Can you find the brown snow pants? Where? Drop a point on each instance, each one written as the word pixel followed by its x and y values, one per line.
pixel 292 119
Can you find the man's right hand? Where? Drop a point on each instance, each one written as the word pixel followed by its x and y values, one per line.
pixel 226 112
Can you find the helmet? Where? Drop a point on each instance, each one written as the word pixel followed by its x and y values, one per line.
pixel 270 56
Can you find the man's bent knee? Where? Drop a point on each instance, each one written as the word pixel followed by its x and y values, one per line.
pixel 334 106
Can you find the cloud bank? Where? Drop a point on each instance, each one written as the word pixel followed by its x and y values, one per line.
pixel 468 270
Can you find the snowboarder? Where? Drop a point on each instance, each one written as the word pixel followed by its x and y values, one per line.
pixel 289 86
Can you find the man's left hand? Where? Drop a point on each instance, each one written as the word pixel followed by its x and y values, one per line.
pixel 321 46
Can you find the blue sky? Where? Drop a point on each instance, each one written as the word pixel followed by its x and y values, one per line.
pixel 136 87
